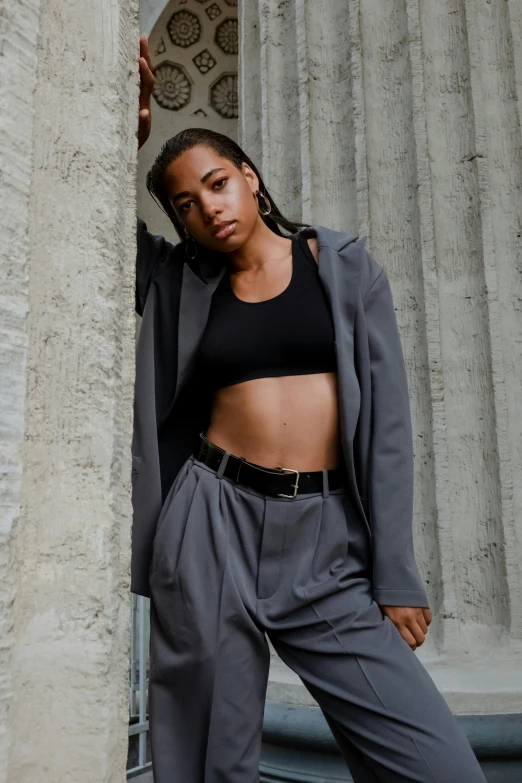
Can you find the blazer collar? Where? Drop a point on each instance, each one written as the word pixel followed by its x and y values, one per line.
pixel 336 240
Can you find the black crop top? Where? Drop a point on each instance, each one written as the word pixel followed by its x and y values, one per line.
pixel 290 334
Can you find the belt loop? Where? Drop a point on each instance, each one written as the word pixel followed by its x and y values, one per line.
pixel 222 464
pixel 241 460
pixel 326 489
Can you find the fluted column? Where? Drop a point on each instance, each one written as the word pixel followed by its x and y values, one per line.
pixel 68 94
pixel 401 121
pixel 18 33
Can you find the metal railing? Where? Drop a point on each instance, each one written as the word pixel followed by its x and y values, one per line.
pixel 138 682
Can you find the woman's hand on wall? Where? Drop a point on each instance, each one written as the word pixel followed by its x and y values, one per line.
pixel 411 622
pixel 147 80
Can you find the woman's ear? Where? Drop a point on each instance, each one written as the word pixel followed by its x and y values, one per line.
pixel 251 177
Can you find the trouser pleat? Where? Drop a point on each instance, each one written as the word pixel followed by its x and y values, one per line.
pixel 232 568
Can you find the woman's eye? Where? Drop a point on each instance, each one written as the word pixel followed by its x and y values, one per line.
pixel 183 207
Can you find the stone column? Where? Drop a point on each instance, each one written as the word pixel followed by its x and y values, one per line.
pixel 18 31
pixel 68 94
pixel 401 121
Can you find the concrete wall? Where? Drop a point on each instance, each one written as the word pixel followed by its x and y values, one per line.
pixel 18 31
pixel 401 121
pixel 68 97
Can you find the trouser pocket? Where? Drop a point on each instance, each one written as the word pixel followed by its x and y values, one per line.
pixel 170 518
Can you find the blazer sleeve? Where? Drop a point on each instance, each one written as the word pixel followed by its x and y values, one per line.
pixel 151 252
pixel 396 580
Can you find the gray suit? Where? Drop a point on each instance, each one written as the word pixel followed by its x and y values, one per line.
pixel 171 408
pixel 226 566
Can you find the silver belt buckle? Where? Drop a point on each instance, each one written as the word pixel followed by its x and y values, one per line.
pixel 282 494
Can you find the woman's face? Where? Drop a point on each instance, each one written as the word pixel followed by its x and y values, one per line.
pixel 205 190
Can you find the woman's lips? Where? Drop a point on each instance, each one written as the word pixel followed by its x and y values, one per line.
pixel 225 231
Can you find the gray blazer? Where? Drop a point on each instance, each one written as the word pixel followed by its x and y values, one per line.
pixel 171 406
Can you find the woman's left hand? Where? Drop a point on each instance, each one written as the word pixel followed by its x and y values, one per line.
pixel 411 622
pixel 147 80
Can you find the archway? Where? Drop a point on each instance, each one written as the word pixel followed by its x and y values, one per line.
pixel 194 49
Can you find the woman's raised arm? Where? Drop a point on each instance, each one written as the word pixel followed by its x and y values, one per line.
pixel 152 250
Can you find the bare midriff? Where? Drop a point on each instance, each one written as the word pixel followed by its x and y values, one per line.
pixel 289 422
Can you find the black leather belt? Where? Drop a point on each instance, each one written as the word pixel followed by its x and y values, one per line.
pixel 279 482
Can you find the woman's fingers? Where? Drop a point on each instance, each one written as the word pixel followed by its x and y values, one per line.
pixel 144 45
pixel 408 636
pixel 416 631
pixel 411 622
pixel 422 624
pixel 147 80
pixel 144 50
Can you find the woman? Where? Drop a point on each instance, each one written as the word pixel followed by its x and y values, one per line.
pixel 283 353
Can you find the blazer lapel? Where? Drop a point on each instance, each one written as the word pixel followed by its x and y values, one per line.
pixel 340 265
pixel 194 307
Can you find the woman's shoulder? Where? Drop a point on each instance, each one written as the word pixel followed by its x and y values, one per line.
pixel 351 250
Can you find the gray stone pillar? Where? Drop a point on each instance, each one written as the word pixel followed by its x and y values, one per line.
pixel 68 97
pixel 401 121
pixel 18 31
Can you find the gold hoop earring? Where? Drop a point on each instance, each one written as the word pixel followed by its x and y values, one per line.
pixel 257 194
pixel 189 238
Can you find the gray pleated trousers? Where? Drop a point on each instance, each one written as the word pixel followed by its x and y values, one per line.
pixel 231 566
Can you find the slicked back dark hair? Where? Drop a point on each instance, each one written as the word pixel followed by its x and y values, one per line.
pixel 223 146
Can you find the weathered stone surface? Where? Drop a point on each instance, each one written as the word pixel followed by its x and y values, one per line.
pixel 18 31
pixel 401 121
pixel 68 97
